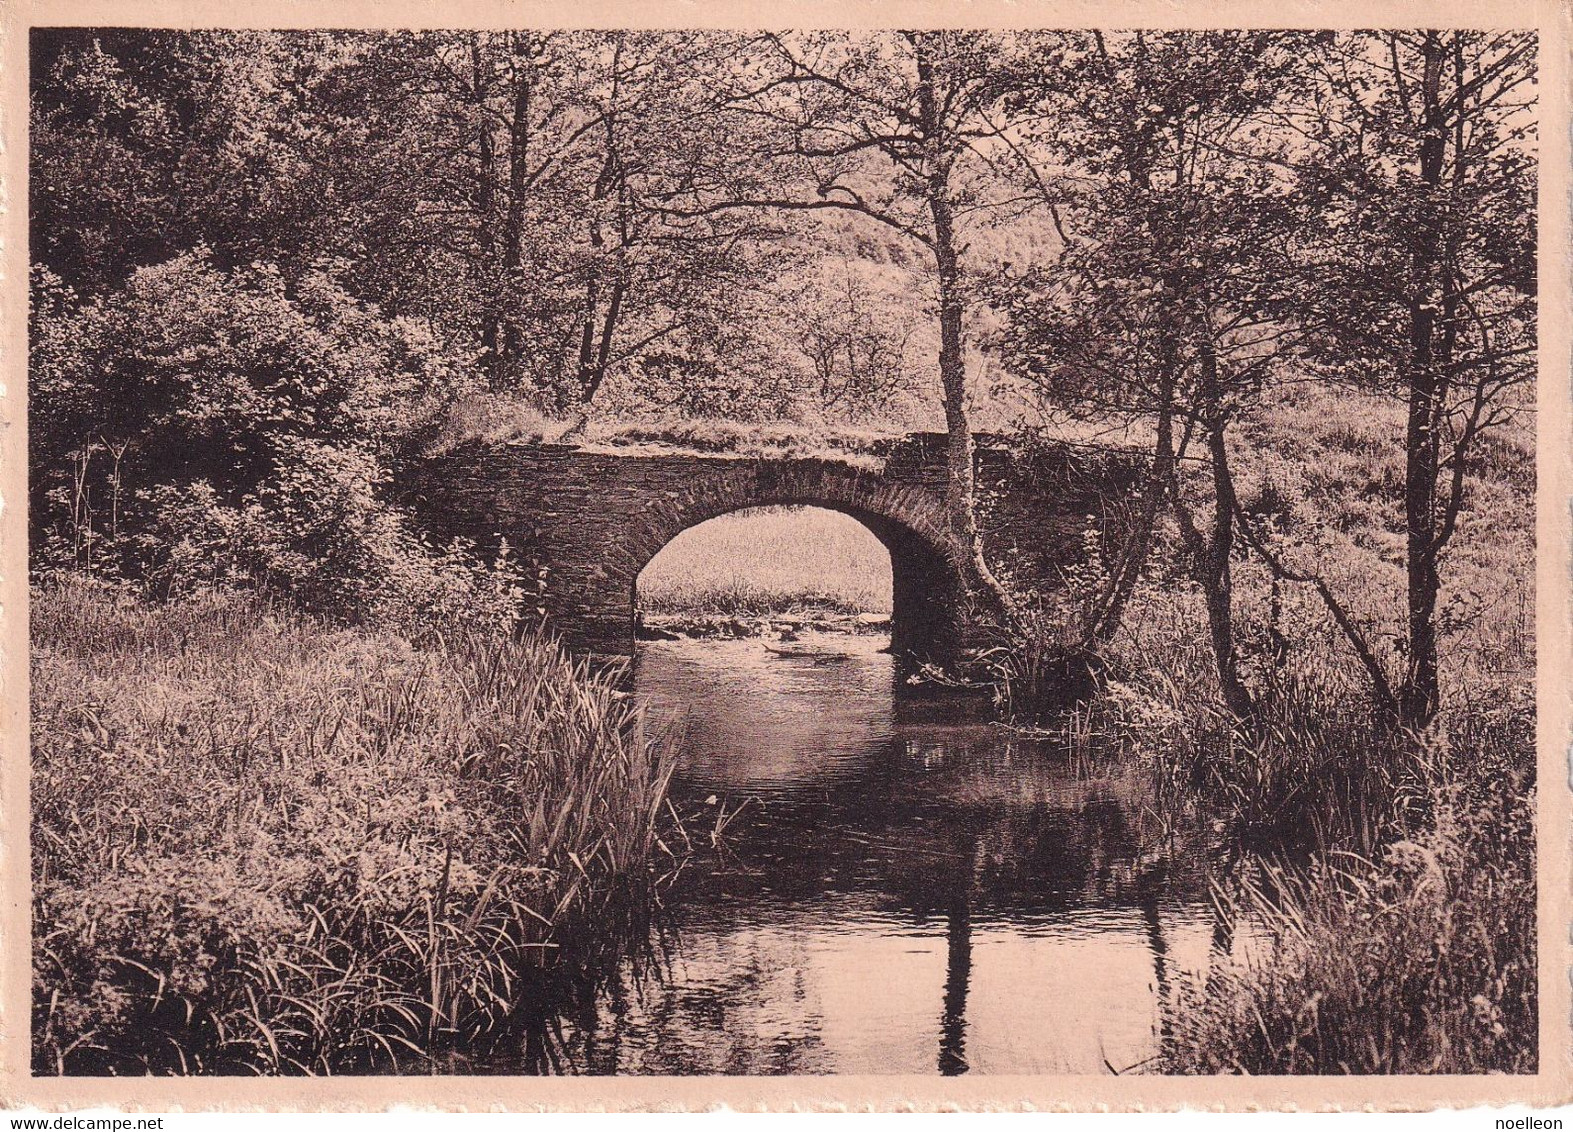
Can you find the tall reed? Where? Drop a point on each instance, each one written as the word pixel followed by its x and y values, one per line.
pixel 263 845
pixel 1420 960
pixel 1385 878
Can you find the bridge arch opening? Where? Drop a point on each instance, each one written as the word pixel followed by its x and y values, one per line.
pixel 760 560
pixel 756 564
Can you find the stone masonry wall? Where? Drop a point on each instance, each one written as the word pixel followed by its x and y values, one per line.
pixel 586 521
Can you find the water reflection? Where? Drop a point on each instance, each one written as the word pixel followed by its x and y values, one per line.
pixel 910 888
pixel 958 972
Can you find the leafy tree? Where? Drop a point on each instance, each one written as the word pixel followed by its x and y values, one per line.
pixel 857 337
pixel 494 185
pixel 147 144
pixel 891 127
pixel 652 280
pixel 1422 278
pixel 1169 304
pixel 544 151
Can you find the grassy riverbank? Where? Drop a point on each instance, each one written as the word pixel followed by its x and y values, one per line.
pixel 1392 874
pixel 1421 959
pixel 264 845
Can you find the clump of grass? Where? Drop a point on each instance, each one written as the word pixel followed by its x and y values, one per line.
pixel 767 560
pixel 744 599
pixel 492 418
pixel 1420 961
pixel 263 845
pixel 769 441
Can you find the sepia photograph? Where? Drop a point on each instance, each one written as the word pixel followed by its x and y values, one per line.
pixel 852 551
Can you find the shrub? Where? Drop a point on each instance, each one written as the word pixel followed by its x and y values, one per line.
pixel 202 425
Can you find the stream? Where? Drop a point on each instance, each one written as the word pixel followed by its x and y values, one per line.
pixel 900 885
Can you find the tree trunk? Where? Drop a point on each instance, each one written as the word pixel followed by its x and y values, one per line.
pixel 1110 608
pixel 1217 579
pixel 603 350
pixel 961 487
pixel 1211 553
pixel 1419 693
pixel 597 329
pixel 960 481
pixel 513 222
pixel 485 207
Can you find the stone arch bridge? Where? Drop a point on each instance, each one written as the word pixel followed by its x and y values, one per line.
pixel 587 519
